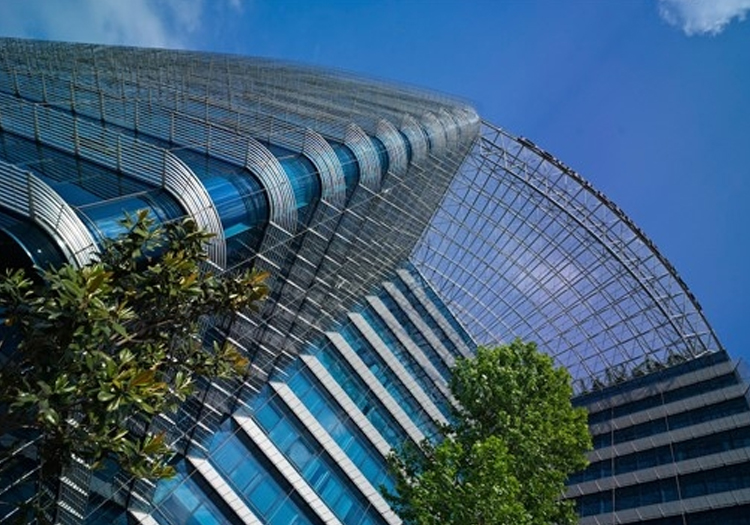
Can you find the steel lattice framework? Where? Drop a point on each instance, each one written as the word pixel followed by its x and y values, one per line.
pixel 339 187
pixel 523 246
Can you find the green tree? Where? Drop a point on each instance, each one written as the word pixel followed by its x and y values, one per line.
pixel 514 439
pixel 94 351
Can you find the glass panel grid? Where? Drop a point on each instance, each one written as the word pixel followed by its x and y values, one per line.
pixel 522 246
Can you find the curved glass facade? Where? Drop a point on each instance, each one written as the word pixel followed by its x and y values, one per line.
pixel 399 231
pixel 523 246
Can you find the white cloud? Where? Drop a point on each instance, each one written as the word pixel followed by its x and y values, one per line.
pixel 702 17
pixel 236 5
pixel 187 13
pixel 147 23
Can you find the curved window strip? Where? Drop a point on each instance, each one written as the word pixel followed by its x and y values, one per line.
pixel 28 196
pixel 24 245
pixel 394 146
pixel 382 153
pixel 239 197
pixel 303 178
pixel 101 196
pixel 350 166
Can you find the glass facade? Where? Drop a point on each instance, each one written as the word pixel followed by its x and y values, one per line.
pixel 330 423
pixel 399 232
pixel 672 443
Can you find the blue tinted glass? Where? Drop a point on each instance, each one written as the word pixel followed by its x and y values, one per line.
pixel 257 486
pixel 405 357
pixel 362 396
pixel 302 176
pixel 181 500
pixel 338 425
pixel 388 379
pixel 229 453
pixel 203 516
pixel 349 165
pixel 437 303
pixel 407 143
pixel 22 235
pixel 425 315
pixel 382 154
pixel 267 416
pixel 265 495
pixel 299 454
pixel 320 472
pixel 238 196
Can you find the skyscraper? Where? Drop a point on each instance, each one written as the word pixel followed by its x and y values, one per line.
pixel 399 231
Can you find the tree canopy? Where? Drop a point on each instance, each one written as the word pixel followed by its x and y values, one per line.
pixel 504 459
pixel 92 350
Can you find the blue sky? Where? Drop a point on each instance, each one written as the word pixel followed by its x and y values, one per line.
pixel 648 99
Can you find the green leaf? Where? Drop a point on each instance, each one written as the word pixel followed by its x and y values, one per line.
pixel 504 459
pixel 44 387
pixel 105 396
pixel 143 378
pixel 117 327
pixel 96 282
pixel 50 416
pixel 95 340
pixel 114 404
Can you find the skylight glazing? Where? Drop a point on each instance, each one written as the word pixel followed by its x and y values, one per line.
pixel 523 246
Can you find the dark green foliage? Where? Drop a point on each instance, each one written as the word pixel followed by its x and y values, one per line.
pixel 505 458
pixel 113 343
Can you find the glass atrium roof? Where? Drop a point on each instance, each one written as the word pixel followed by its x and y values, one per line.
pixel 523 246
